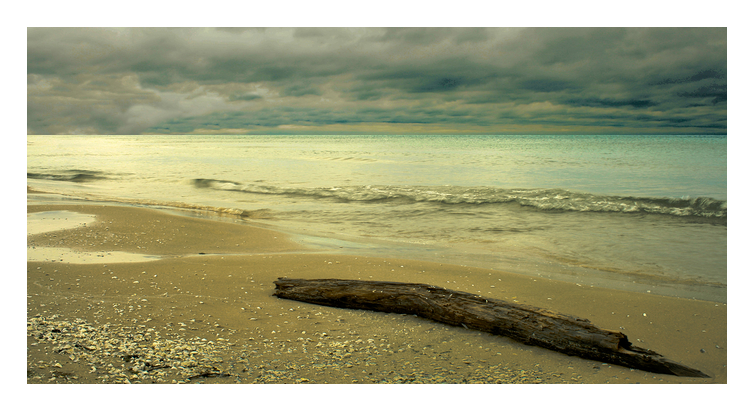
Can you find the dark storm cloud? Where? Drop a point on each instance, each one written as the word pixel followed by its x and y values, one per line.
pixel 702 75
pixel 593 102
pixel 270 118
pixel 545 85
pixel 457 79
pixel 244 97
pixel 717 92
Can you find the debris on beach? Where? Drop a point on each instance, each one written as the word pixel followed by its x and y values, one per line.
pixel 526 324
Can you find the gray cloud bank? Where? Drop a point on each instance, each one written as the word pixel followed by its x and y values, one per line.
pixel 352 80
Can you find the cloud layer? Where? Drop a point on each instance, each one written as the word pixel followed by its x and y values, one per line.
pixel 351 80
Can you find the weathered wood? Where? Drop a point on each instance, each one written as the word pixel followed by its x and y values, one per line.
pixel 526 324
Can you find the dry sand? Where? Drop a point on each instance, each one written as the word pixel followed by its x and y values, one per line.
pixel 204 312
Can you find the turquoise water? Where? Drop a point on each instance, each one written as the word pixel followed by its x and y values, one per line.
pixel 647 213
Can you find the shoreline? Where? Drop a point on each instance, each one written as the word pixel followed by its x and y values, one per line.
pixel 220 275
pixel 326 239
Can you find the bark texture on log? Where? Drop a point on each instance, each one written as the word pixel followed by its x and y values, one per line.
pixel 526 324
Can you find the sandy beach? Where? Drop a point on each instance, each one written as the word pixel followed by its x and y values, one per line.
pixel 138 295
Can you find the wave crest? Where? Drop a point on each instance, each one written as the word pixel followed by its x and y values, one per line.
pixel 75 176
pixel 540 199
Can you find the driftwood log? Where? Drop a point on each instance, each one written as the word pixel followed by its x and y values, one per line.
pixel 526 324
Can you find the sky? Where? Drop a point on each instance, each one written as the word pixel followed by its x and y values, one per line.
pixel 376 81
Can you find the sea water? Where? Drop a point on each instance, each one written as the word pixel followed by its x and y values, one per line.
pixel 643 213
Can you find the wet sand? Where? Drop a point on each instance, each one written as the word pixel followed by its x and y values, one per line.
pixel 203 312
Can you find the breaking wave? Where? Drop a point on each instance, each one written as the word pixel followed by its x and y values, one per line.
pixel 75 176
pixel 539 199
